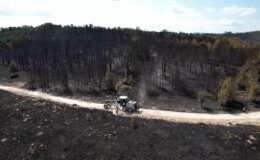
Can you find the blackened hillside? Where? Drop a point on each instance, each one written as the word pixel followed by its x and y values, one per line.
pixel 96 59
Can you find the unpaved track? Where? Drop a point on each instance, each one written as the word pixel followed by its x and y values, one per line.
pixel 217 119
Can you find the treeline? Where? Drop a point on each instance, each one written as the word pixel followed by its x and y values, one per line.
pixel 251 37
pixel 94 59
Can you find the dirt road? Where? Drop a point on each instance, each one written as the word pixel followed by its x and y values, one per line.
pixel 218 119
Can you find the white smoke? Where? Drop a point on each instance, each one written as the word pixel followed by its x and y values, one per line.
pixel 141 91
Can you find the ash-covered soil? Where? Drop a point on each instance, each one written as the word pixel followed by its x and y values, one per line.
pixel 35 129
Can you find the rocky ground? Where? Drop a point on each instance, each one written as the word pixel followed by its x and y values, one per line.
pixel 35 129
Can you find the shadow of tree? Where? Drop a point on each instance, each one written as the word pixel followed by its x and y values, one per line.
pixel 234 106
pixel 14 76
pixel 208 110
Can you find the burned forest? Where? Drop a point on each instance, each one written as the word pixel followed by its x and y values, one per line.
pixel 91 59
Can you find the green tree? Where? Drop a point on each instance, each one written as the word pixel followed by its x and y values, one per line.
pixel 209 45
pixel 194 42
pixel 250 71
pixel 252 90
pixel 236 43
pixel 226 91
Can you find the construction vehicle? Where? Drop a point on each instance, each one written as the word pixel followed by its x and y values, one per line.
pixel 123 102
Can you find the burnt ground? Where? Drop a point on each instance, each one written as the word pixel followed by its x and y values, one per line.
pixel 36 129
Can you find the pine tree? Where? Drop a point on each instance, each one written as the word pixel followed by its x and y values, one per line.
pixel 226 91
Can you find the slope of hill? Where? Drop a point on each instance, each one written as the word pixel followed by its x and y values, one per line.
pixel 35 129
pixel 94 59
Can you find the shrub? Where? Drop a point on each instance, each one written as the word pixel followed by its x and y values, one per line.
pixel 203 96
pixel 128 81
pixel 88 117
pixel 31 80
pixel 226 91
pixel 133 123
pixel 13 67
pixel 125 85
